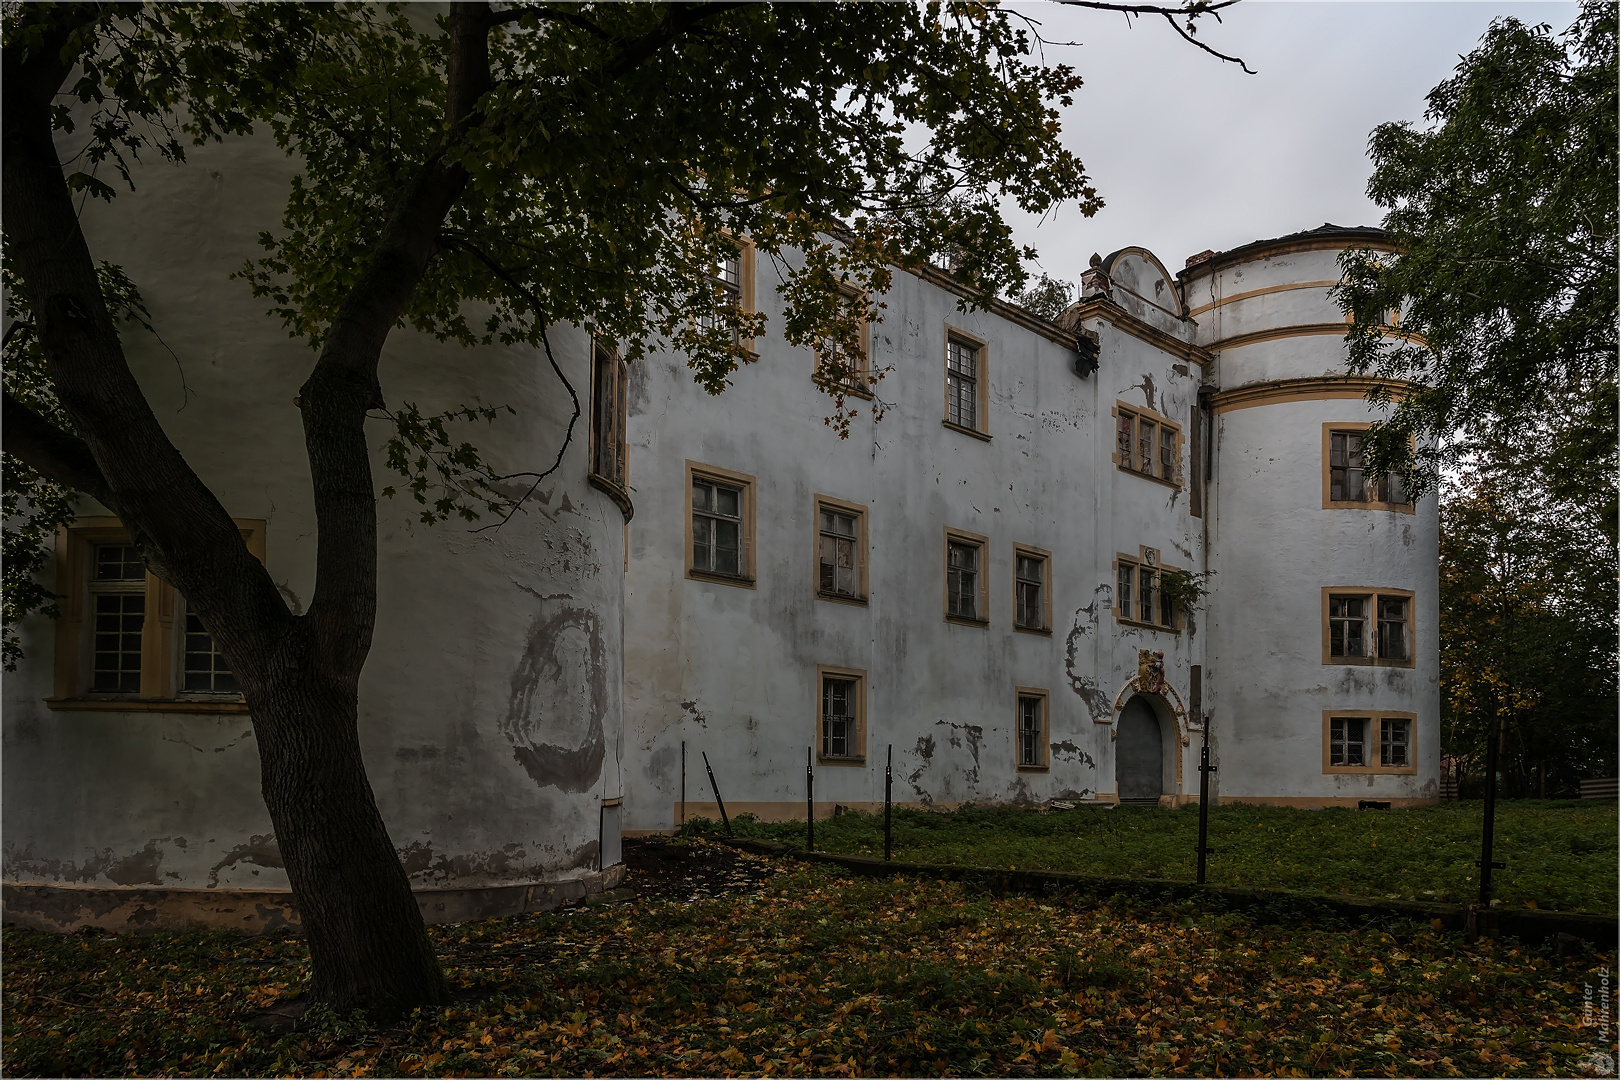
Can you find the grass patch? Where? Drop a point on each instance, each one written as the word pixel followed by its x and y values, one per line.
pixel 1559 855
pixel 818 974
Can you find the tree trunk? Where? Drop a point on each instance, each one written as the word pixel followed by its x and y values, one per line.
pixel 367 942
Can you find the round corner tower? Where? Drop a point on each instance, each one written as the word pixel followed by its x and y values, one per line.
pixel 1324 645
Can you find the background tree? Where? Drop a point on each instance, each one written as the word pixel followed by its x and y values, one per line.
pixel 1527 628
pixel 1501 302
pixel 540 164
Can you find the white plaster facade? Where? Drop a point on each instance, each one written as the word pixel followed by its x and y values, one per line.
pixel 524 681
pixel 731 668
pixel 490 704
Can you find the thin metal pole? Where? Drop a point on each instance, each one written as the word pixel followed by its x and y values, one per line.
pixel 809 801
pixel 1489 837
pixel 683 781
pixel 1204 769
pixel 888 805
pixel 721 803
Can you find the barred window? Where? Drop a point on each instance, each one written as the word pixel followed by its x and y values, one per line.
pixel 842 716
pixel 1031 731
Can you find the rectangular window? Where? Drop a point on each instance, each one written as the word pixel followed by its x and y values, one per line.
pixel 1147 444
pixel 965 580
pixel 609 454
pixel 1139 599
pixel 1372 627
pixel 837 717
pixel 1032 595
pixel 124 635
pixel 846 366
pixel 841 717
pixel 1346 483
pixel 118 586
pixel 1392 627
pixel 1394 739
pixel 962 384
pixel 1033 730
pixel 732 279
pixel 1348 741
pixel 840 550
pixel 204 670
pixel 1368 742
pixel 721 525
pixel 1347 626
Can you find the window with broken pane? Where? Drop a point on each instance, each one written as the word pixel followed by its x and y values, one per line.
pixel 608 451
pixel 840 569
pixel 1348 480
pixel 1147 433
pixel 1392 628
pixel 118 587
pixel 1147 582
pixel 1167 609
pixel 1347 626
pixel 1127 573
pixel 1031 730
pixel 838 716
pixel 1030 580
pixel 1167 454
pixel 962 384
pixel 1394 742
pixel 717 527
pixel 962 579
pixel 1125 440
pixel 1347 741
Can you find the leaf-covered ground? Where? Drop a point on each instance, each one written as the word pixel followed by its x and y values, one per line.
pixel 801 972
pixel 1559 855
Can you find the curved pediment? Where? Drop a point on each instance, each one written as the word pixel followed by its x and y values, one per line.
pixel 1140 271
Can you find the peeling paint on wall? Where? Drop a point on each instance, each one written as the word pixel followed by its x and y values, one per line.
pixel 259 851
pixel 560 689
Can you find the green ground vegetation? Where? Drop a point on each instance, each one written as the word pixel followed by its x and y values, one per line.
pixel 810 973
pixel 1559 855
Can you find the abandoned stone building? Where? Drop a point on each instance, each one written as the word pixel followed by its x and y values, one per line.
pixel 996 583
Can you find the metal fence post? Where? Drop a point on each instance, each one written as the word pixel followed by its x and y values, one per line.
pixel 718 801
pixel 809 801
pixel 1204 769
pixel 888 804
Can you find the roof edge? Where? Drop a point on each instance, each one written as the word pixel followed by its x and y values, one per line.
pixel 1328 236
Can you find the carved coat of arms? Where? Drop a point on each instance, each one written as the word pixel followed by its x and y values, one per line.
pixel 1150 671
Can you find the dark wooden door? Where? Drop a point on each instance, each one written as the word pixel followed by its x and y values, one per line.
pixel 1139 753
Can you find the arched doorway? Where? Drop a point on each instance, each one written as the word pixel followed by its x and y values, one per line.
pixel 1139 754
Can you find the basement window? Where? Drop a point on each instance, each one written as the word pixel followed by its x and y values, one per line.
pixel 841 719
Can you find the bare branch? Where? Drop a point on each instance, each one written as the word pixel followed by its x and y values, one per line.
pixel 1189 11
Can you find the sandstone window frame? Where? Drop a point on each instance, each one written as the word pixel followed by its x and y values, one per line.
pixel 1150 559
pixel 858 511
pixel 163 652
pixel 1030 551
pixel 1329 429
pixel 1374 747
pixel 609 466
pixel 1125 460
pixel 1371 633
pixel 980 396
pixel 1043 739
pixel 741 292
pixel 981 586
pixel 744 484
pixel 856 745
pixel 860 385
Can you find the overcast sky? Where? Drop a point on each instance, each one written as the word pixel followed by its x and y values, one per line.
pixel 1190 153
